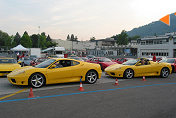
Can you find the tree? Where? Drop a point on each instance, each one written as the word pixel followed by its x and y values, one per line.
pixel 76 38
pixel 72 37
pixel 42 41
pixel 34 39
pixel 133 38
pixel 122 38
pixel 16 40
pixel 115 37
pixel 68 37
pixel 5 39
pixel 26 40
pixel 48 38
pixel 92 39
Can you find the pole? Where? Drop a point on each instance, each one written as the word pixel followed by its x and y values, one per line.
pixel 72 48
pixel 38 36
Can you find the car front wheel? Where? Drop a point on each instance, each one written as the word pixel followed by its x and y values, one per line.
pixel 37 80
pixel 91 77
pixel 165 72
pixel 129 73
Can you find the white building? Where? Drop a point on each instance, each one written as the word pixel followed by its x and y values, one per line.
pixel 78 48
pixel 75 45
pixel 163 45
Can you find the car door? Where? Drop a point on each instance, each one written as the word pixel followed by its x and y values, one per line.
pixel 78 70
pixel 63 73
pixel 144 70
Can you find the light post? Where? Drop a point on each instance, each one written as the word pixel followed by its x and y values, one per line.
pixel 38 36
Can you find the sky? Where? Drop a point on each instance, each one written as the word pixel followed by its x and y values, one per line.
pixel 83 18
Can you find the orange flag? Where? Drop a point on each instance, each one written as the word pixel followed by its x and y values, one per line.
pixel 166 19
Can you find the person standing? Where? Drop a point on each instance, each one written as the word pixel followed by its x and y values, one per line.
pixel 18 56
pixel 154 58
pixel 22 59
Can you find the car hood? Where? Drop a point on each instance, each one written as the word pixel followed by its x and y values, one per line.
pixel 15 72
pixel 9 67
pixel 115 66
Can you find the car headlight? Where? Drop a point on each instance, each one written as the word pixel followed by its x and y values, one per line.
pixel 20 72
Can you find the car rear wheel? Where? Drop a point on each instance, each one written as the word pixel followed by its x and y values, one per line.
pixel 37 80
pixel 165 72
pixel 91 77
pixel 129 73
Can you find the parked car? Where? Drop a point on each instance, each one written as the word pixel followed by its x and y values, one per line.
pixel 76 58
pixel 26 61
pixel 7 65
pixel 135 68
pixel 172 61
pixel 54 56
pixel 103 61
pixel 51 71
pixel 38 61
pixel 121 60
pixel 84 58
pixel 90 56
pixel 158 59
pixel 33 57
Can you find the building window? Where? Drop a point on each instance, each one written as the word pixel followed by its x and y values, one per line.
pixel 174 40
pixel 174 55
pixel 154 42
pixel 151 42
pixel 157 54
pixel 142 42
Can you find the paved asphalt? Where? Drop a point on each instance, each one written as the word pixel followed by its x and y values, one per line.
pixel 154 98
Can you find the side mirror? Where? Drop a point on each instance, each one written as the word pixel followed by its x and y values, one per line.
pixel 53 66
pixel 19 62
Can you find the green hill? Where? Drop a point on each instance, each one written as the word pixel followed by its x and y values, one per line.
pixel 154 28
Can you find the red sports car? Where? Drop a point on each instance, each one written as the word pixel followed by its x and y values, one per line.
pixel 121 60
pixel 38 61
pixel 172 61
pixel 103 61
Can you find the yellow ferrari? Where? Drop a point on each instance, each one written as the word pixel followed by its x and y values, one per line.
pixel 56 70
pixel 138 68
pixel 7 65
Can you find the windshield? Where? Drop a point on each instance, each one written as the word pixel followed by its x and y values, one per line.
pixel 7 61
pixel 130 62
pixel 168 60
pixel 45 63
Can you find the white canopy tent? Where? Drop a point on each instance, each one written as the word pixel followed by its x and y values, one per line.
pixel 19 48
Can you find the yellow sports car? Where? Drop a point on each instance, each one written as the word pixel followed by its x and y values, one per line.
pixel 56 70
pixel 7 65
pixel 139 68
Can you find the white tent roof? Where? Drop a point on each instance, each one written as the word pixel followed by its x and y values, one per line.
pixel 54 48
pixel 19 48
pixel 60 48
